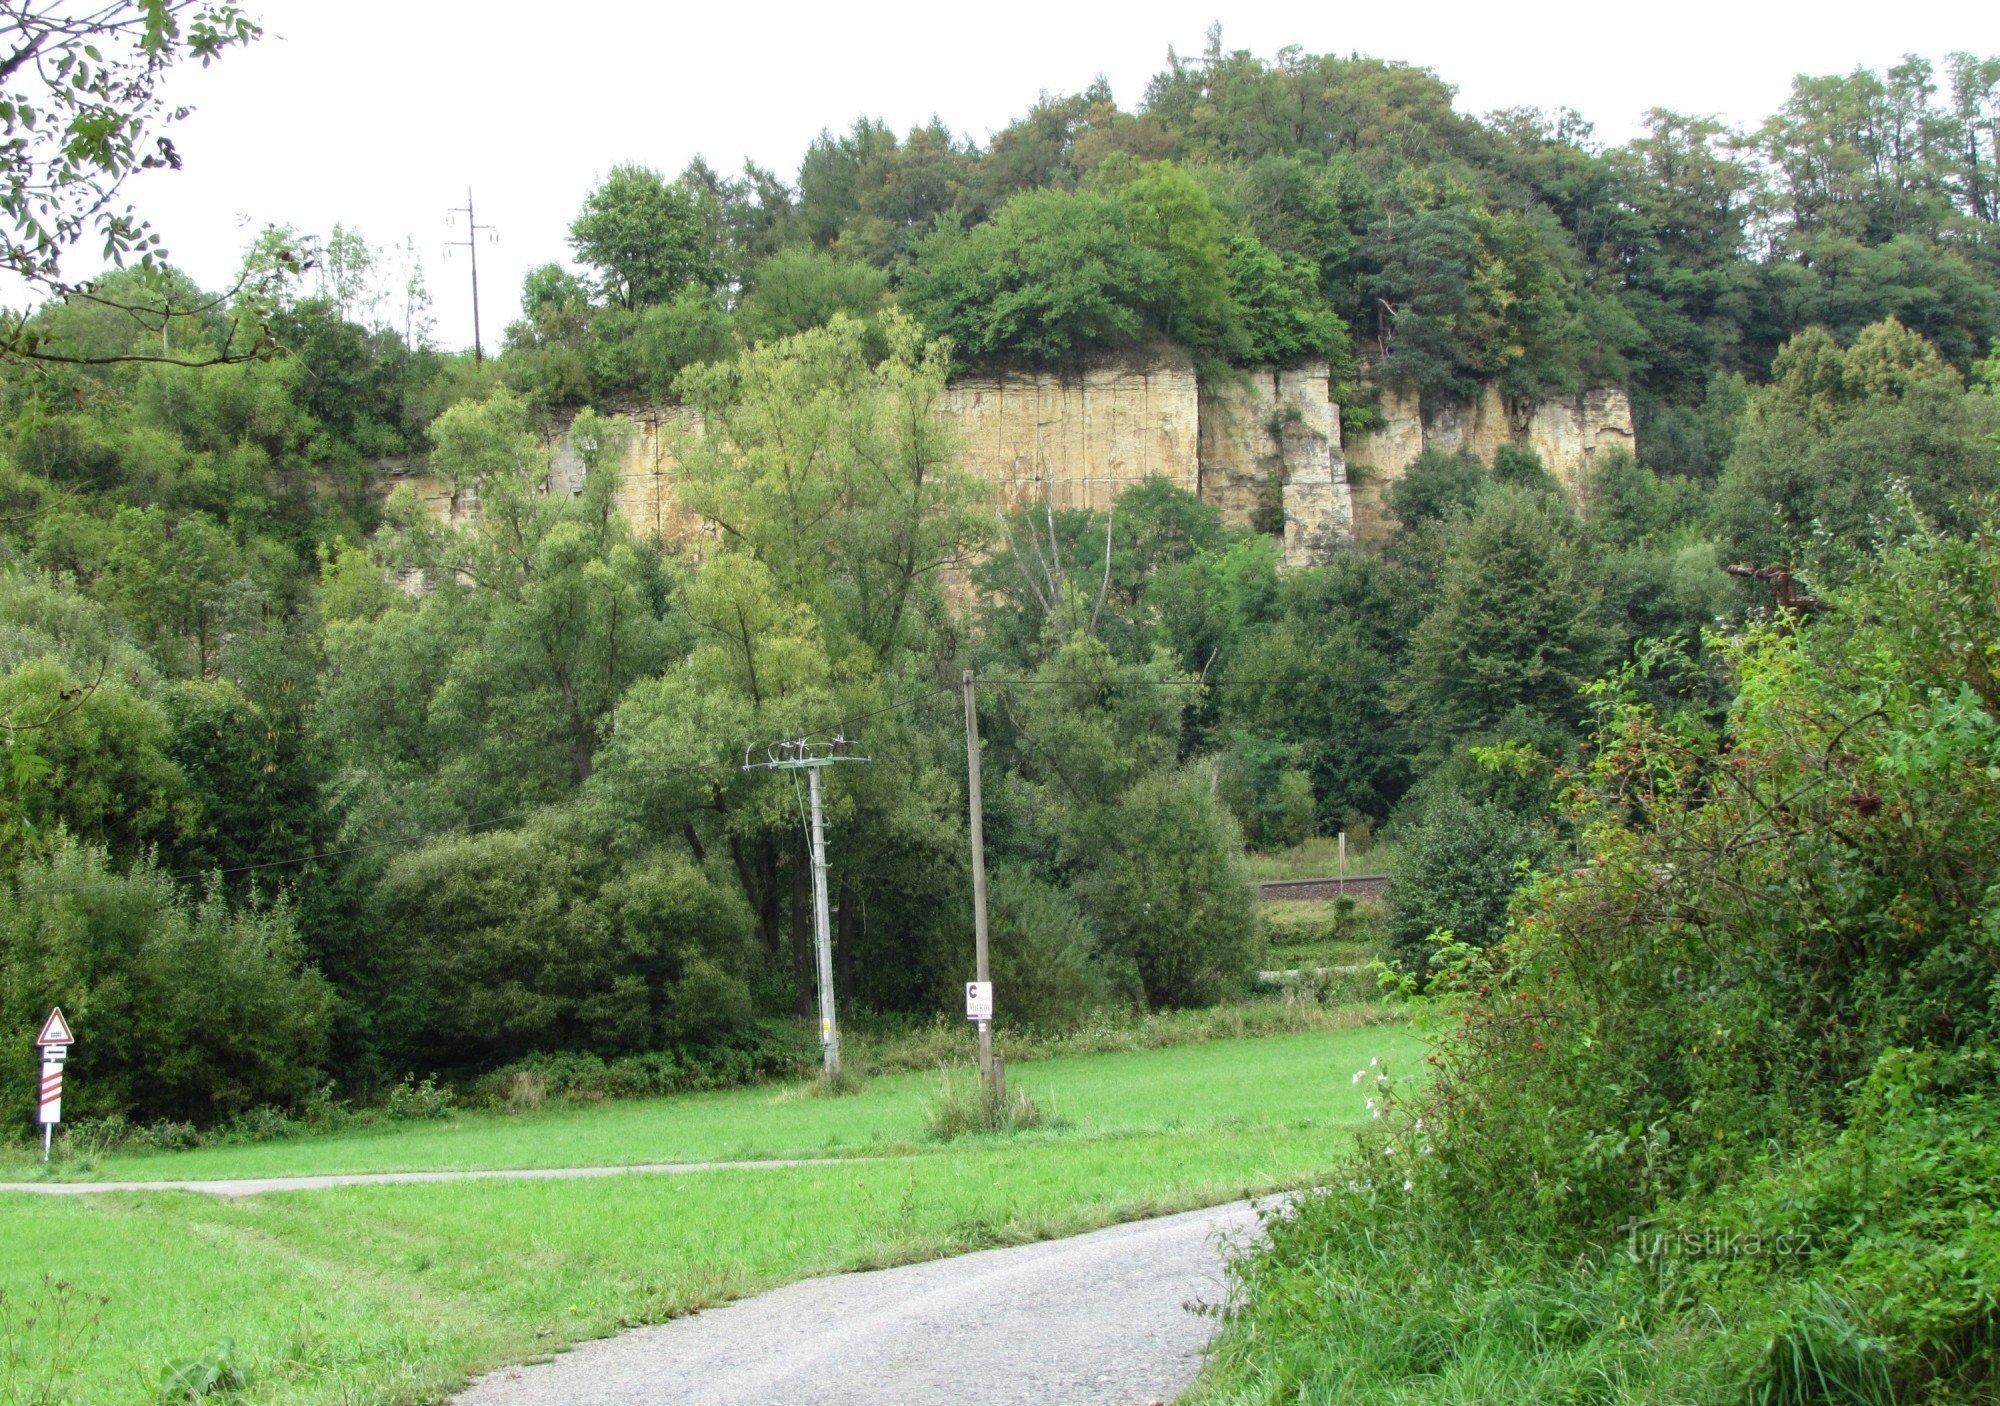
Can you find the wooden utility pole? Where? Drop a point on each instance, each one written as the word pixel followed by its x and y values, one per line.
pixel 473 229
pixel 981 969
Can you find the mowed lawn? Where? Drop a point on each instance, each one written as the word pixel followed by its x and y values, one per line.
pixel 1283 1079
pixel 397 1293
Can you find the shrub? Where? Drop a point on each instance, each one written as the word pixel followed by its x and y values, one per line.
pixel 534 940
pixel 410 1101
pixel 1455 870
pixel 185 1007
pixel 1167 891
pixel 1046 971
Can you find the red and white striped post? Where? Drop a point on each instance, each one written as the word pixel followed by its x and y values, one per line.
pixel 54 1041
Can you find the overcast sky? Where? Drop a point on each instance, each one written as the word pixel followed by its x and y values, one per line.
pixel 379 114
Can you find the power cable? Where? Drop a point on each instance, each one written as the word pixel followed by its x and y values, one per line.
pixel 471 826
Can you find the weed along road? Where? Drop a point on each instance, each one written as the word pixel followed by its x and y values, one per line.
pixel 1112 1318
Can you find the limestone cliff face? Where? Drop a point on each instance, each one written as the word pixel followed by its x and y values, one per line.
pixel 1264 446
pixel 1271 455
pixel 1080 439
pixel 1568 432
pixel 648 492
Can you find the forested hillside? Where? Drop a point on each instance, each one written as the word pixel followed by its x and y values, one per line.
pixel 275 822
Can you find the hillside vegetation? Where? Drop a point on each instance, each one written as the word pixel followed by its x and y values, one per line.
pixel 281 834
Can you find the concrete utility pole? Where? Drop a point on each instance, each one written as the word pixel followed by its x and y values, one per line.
pixel 976 804
pixel 473 229
pixel 804 754
pixel 829 1033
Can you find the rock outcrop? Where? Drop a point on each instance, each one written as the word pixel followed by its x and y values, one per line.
pixel 1264 446
pixel 1080 438
pixel 1271 459
pixel 1568 432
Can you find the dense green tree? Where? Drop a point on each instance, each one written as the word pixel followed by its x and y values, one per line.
pixel 1454 870
pixel 538 940
pixel 249 786
pixel 1045 956
pixel 1518 621
pixel 94 762
pixel 647 237
pixel 1628 504
pixel 1162 880
pixel 493 690
pixel 179 581
pixel 690 329
pixel 796 290
pixel 1841 435
pixel 835 472
pixel 1170 215
pixel 1049 277
pixel 1437 486
pixel 1326 694
pixel 1282 320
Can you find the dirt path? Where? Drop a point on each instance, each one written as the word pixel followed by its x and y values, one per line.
pixel 256 1186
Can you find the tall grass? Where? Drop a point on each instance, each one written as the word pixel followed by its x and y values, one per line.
pixel 965 1103
pixel 893 1048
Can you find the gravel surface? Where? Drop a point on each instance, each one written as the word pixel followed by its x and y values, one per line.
pixel 256 1186
pixel 1100 1318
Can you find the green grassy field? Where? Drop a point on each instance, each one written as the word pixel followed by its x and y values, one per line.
pixel 1284 1079
pixel 1317 859
pixel 397 1293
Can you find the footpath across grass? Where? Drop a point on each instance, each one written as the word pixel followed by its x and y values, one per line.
pixel 1283 1079
pixel 397 1293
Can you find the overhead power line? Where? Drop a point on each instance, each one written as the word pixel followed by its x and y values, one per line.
pixel 897 705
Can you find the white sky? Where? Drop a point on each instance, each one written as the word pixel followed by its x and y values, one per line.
pixel 379 113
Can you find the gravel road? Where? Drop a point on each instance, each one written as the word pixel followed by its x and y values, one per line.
pixel 1098 1320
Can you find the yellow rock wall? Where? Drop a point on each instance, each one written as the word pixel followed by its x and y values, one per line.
pixel 1270 447
pixel 1568 432
pixel 648 492
pixel 1082 438
pixel 1264 446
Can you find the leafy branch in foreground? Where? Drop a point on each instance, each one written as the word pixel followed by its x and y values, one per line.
pixel 80 112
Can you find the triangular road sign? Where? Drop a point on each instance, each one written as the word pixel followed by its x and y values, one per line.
pixel 55 1030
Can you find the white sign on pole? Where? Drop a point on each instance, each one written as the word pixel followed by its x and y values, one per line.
pixel 979 1000
pixel 55 1031
pixel 55 1041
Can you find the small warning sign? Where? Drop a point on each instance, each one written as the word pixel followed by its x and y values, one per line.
pixel 55 1031
pixel 979 1000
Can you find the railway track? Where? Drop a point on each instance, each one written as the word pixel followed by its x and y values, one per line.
pixel 1318 890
